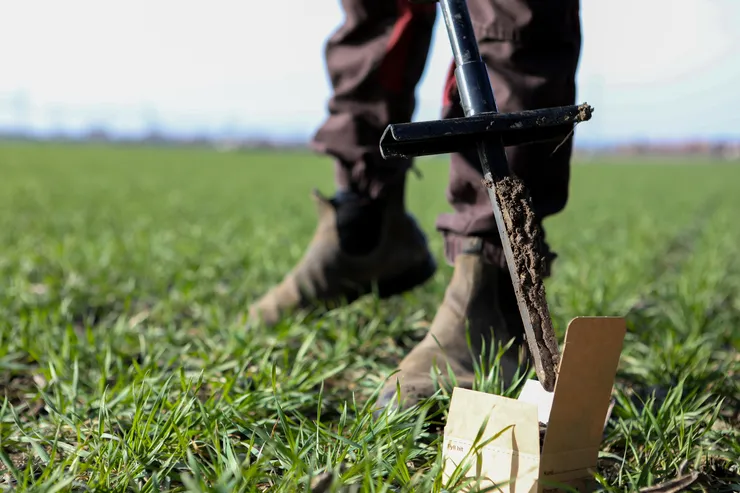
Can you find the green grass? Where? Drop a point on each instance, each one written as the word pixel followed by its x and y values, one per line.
pixel 125 364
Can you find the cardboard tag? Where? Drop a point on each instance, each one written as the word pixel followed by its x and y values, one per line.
pixel 508 453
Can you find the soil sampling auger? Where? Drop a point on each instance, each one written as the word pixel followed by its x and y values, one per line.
pixel 490 132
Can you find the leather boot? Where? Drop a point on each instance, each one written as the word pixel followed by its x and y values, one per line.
pixel 479 302
pixel 327 276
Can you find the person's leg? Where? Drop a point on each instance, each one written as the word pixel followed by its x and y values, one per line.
pixel 375 61
pixel 531 49
pixel 365 237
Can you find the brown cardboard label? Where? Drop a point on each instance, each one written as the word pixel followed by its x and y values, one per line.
pixel 581 397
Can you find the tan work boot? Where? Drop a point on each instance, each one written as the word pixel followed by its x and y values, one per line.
pixel 327 276
pixel 479 299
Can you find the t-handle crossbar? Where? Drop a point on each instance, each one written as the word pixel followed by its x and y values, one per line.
pixel 489 131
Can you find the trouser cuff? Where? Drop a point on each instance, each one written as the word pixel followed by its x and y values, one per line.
pixel 489 248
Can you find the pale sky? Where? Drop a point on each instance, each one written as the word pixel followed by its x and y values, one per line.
pixel 655 69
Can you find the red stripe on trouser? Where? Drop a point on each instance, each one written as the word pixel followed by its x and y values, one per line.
pixel 393 67
pixel 449 95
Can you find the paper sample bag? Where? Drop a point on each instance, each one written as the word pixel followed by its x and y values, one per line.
pixel 575 414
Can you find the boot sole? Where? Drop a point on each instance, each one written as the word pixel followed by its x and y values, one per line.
pixel 408 279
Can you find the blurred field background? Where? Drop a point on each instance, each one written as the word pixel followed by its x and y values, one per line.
pixel 125 363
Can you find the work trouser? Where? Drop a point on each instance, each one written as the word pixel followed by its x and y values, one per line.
pixel 375 60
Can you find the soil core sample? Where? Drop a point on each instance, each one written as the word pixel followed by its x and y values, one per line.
pixel 527 245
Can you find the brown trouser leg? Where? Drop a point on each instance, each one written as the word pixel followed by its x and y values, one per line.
pixel 375 61
pixel 531 48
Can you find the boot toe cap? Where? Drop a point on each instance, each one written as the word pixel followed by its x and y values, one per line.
pixel 414 389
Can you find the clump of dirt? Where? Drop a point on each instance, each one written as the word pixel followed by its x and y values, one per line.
pixel 527 245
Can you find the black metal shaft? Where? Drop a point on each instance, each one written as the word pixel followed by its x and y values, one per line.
pixel 476 96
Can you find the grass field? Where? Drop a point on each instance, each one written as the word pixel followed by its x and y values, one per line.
pixel 125 364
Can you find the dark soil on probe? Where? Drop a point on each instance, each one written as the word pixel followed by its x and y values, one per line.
pixel 527 244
